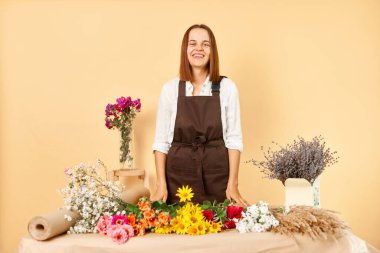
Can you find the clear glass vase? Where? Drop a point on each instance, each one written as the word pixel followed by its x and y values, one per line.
pixel 126 154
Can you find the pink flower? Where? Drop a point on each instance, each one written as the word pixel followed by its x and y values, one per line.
pixel 103 224
pixel 69 173
pixel 108 124
pixel 234 212
pixel 130 230
pixel 208 214
pixel 119 219
pixel 118 234
pixel 137 104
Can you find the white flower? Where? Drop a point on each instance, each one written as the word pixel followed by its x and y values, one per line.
pixel 257 218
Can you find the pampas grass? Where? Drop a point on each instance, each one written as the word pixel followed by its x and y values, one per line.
pixel 314 222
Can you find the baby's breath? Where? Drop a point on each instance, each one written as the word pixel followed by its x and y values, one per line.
pixel 90 195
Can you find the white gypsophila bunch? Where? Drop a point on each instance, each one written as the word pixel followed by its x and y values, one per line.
pixel 256 218
pixel 90 195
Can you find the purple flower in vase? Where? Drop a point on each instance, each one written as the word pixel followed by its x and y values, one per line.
pixel 108 124
pixel 137 104
pixel 121 103
pixel 109 109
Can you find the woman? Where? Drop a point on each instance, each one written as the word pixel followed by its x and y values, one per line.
pixel 198 134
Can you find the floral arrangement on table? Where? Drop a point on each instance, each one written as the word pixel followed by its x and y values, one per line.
pixel 90 195
pixel 102 211
pixel 301 159
pixel 120 116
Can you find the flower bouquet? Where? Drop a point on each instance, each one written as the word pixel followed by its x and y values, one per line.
pixel 120 116
pixel 101 209
pixel 295 162
pixel 302 159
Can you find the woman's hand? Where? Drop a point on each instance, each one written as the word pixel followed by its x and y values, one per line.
pixel 233 193
pixel 161 193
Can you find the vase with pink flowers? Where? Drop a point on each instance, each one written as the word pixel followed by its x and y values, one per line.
pixel 120 116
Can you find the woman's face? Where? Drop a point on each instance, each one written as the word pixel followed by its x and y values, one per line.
pixel 198 48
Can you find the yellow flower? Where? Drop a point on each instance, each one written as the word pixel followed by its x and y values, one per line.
pixel 163 230
pixel 185 193
pixel 181 229
pixel 201 228
pixel 192 230
pixel 215 227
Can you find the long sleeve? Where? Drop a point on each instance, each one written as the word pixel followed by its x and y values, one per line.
pixel 233 138
pixel 162 123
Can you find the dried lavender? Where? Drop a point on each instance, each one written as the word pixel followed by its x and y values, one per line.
pixel 301 159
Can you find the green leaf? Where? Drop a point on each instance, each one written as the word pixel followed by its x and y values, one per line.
pixel 226 202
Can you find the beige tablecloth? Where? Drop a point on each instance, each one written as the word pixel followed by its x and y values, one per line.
pixel 230 241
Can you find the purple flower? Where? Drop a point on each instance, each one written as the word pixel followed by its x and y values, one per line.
pixel 123 102
pixel 137 104
pixel 109 109
pixel 108 124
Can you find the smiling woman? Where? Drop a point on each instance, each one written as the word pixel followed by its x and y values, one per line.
pixel 198 134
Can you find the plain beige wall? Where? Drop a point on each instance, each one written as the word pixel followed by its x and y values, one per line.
pixel 302 68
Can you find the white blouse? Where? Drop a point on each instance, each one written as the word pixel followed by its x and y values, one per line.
pixel 167 111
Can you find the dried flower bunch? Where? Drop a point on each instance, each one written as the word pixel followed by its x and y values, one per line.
pixel 314 222
pixel 302 159
pixel 90 195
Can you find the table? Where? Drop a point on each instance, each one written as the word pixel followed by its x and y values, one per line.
pixel 229 241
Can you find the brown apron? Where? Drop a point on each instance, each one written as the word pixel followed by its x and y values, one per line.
pixel 198 156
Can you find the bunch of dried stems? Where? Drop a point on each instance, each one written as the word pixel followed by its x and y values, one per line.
pixel 301 159
pixel 314 222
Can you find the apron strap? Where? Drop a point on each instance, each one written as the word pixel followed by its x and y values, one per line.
pixel 182 88
pixel 215 87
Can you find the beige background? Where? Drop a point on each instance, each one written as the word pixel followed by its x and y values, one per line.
pixel 302 68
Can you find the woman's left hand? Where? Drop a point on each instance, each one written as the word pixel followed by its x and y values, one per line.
pixel 233 193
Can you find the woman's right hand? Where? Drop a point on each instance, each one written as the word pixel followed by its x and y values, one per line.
pixel 161 193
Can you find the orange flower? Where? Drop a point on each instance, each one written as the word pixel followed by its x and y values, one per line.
pixel 143 223
pixel 144 205
pixel 139 230
pixel 152 222
pixel 132 219
pixel 163 218
pixel 149 214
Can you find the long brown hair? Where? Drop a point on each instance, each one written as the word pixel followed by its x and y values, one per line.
pixel 185 72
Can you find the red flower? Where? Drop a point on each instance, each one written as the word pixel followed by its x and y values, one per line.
pixel 229 224
pixel 234 212
pixel 208 214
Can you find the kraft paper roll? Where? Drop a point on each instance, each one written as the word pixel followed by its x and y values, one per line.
pixel 133 194
pixel 52 224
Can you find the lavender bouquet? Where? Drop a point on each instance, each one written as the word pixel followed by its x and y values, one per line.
pixel 301 159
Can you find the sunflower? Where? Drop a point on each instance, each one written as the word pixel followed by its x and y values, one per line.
pixel 215 227
pixel 163 230
pixel 181 229
pixel 185 193
pixel 201 228
pixel 192 230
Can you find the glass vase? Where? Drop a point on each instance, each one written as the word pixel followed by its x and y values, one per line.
pixel 126 149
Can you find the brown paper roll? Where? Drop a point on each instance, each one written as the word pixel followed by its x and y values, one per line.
pixel 52 224
pixel 133 194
